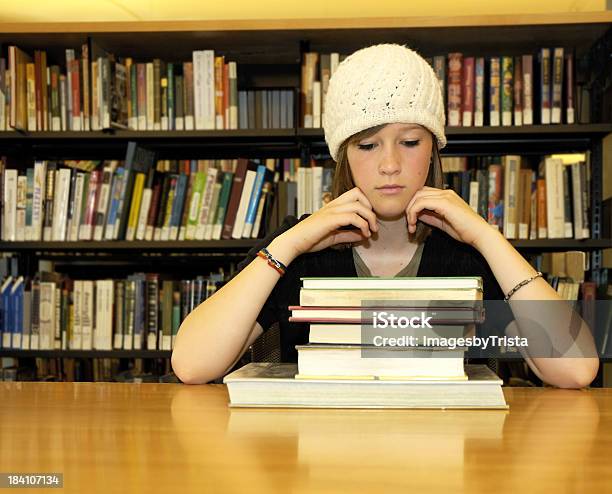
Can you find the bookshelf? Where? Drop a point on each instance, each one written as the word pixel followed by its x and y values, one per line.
pixel 269 53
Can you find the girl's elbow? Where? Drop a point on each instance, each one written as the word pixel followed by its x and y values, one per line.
pixel 185 371
pixel 580 375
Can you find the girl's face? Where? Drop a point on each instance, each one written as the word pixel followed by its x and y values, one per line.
pixel 390 166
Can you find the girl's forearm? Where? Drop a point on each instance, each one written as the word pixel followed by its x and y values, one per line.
pixel 509 269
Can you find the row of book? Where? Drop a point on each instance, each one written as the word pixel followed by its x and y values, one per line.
pixel 345 365
pixel 94 369
pixel 94 90
pixel 552 202
pixel 137 199
pixel 144 199
pixel 143 311
pixel 497 90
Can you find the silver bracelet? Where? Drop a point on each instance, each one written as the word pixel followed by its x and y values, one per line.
pixel 520 285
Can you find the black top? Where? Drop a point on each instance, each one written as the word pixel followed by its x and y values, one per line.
pixel 442 256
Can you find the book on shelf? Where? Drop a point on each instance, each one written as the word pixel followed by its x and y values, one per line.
pixel 94 89
pixel 497 90
pixel 55 312
pixel 142 198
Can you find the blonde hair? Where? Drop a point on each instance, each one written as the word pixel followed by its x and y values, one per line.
pixel 343 179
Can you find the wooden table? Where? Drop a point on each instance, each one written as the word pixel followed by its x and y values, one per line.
pixel 148 438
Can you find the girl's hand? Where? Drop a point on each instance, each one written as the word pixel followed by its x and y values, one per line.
pixel 322 228
pixel 445 210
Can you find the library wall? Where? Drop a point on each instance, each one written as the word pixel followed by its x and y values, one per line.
pixel 160 10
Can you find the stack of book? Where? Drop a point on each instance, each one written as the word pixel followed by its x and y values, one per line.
pixel 377 343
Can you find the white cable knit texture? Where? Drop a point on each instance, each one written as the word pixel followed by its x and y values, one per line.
pixel 382 84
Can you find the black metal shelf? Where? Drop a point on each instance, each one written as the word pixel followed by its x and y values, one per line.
pixel 243 245
pixel 544 244
pixel 152 354
pixel 526 139
pixel 591 130
pixel 147 354
pixel 177 144
pixel 138 246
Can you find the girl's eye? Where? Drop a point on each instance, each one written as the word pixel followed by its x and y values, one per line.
pixel 369 147
pixel 365 147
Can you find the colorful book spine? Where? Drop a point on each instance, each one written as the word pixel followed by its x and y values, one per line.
pixel 494 92
pixel 467 95
pixel 454 89
pixel 479 95
pixel 507 104
pixel 254 202
pixel 545 86
pixel 518 91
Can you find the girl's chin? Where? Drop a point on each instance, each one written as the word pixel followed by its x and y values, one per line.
pixel 389 212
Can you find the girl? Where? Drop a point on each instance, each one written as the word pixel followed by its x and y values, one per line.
pixel 384 125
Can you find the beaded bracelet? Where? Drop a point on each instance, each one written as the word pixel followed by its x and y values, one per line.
pixel 520 285
pixel 272 261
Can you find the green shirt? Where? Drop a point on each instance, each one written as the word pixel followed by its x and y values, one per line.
pixel 410 269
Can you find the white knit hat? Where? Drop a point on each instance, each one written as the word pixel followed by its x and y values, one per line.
pixel 382 84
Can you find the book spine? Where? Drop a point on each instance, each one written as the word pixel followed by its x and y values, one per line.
pixel 567 202
pixel 494 92
pixel 165 229
pixel 234 200
pixel 214 207
pixel 518 91
pixel 554 197
pixel 507 104
pixel 156 88
pixel 102 206
pixel 171 101
pixel 60 207
pixel 143 215
pixel 479 102
pixel 178 98
pixel 29 200
pixel 32 93
pixel 150 91
pixel 152 311
pixel 545 96
pixel 569 108
pixel 119 310
pixel 195 204
pixel 254 201
pixel 557 86
pixel 228 178
pixel 86 229
pixel 135 206
pixel 20 206
pixel 219 62
pixel 245 197
pixel 455 63
pixel 467 99
pixel 226 96
pixel 495 209
pixel 153 210
pixel 177 206
pixel 211 178
pixel 49 194
pixel 116 192
pixel 188 96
